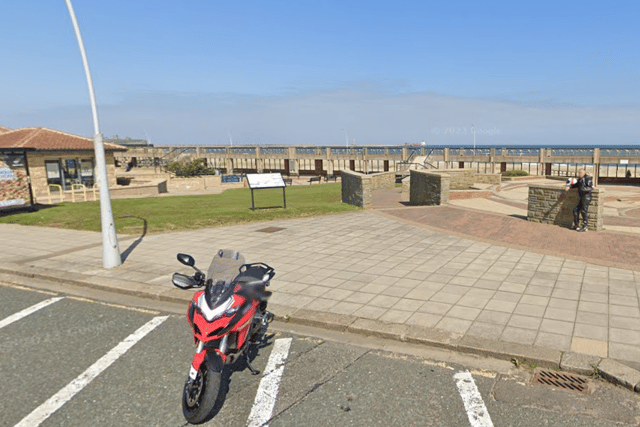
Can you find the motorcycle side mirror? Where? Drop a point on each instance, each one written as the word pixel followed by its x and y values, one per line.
pixel 189 261
pixel 186 260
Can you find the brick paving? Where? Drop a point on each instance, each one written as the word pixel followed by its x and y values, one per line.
pixel 602 247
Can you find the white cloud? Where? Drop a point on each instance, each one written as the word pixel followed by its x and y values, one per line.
pixel 368 114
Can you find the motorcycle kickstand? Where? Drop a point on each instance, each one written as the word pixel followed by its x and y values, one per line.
pixel 251 368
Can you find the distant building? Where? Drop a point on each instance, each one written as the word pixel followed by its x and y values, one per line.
pixel 129 142
pixel 55 157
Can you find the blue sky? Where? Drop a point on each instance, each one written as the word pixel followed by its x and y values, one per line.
pixel 285 72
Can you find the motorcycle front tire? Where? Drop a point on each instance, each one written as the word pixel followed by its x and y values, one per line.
pixel 199 396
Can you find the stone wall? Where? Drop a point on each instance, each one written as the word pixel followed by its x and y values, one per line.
pixel 460 179
pixel 146 190
pixel 429 188
pixel 487 178
pixel 141 175
pixel 195 183
pixel 383 180
pixel 550 204
pixel 463 179
pixel 357 188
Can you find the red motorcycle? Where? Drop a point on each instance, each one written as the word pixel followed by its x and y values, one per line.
pixel 227 317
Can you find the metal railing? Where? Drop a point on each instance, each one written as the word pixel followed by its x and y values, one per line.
pixel 60 192
pixel 73 192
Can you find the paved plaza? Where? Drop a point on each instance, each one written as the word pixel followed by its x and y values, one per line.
pixel 447 276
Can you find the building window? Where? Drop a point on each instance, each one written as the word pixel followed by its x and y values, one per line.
pixel 54 173
pixel 66 172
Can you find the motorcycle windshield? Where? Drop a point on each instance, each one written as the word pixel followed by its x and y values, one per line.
pixel 225 266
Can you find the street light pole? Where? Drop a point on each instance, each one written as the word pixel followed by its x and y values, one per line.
pixel 110 250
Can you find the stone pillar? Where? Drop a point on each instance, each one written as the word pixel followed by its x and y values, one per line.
pixel 492 160
pixel 330 167
pixel 293 162
pixel 541 166
pixel 446 158
pixel 596 165
pixel 259 161
pixel 365 160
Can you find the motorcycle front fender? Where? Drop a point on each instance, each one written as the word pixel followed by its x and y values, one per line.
pixel 212 355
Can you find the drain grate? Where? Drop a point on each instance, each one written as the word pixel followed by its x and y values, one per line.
pixel 270 229
pixel 561 380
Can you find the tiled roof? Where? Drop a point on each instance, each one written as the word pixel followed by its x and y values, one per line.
pixel 49 139
pixel 4 129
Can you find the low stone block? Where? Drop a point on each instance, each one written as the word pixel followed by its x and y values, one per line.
pixel 583 364
pixel 619 373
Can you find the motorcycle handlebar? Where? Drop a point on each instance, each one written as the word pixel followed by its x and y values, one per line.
pixel 183 281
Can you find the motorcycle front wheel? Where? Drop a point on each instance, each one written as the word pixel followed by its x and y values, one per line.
pixel 199 396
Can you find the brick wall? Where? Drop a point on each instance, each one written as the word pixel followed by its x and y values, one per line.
pixel 550 204
pixel 429 188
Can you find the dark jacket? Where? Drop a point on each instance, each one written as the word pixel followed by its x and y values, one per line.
pixel 584 185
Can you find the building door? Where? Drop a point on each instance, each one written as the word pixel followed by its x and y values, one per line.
pixel 54 172
pixel 70 170
pixel 86 172
pixel 319 167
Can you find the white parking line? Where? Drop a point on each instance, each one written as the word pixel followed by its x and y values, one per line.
pixel 472 400
pixel 27 311
pixel 54 403
pixel 268 389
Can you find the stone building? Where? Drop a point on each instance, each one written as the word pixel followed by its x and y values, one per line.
pixel 55 157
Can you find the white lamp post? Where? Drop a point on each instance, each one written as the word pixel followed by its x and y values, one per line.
pixel 110 250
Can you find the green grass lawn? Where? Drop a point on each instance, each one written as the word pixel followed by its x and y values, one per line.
pixel 177 213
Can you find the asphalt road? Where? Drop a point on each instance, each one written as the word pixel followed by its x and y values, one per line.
pixel 328 378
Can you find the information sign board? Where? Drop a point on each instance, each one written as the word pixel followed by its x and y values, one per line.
pixel 265 180
pixel 260 181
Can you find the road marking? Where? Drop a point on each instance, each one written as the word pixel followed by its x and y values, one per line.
pixel 472 400
pixel 27 311
pixel 110 304
pixel 54 403
pixel 25 288
pixel 268 389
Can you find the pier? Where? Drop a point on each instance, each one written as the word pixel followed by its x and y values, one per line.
pixel 601 162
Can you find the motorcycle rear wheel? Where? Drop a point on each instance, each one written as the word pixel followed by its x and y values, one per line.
pixel 199 396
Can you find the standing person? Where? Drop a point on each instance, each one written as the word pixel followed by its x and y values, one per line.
pixel 584 184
